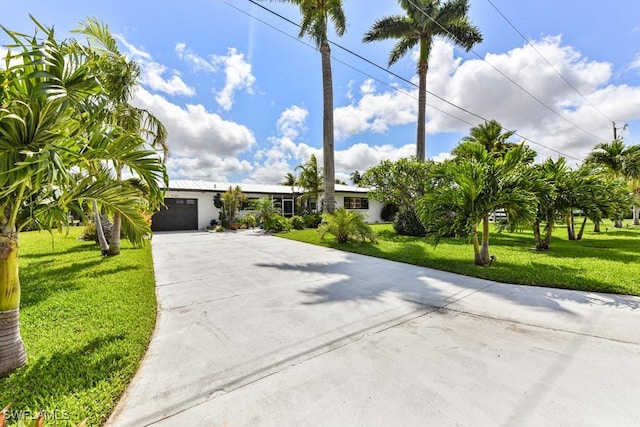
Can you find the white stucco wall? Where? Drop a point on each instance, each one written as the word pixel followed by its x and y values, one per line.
pixel 207 212
pixel 371 215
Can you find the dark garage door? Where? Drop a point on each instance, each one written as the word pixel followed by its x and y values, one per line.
pixel 178 214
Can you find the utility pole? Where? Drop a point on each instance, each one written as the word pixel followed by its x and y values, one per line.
pixel 615 129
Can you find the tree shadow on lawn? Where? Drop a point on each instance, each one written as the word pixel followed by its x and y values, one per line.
pixel 85 247
pixel 65 373
pixel 42 279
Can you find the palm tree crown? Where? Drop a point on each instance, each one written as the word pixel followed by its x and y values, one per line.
pixel 424 21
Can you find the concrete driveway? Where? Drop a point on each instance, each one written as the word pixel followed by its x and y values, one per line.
pixel 258 330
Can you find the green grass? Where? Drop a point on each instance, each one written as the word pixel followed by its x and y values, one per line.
pixel 86 321
pixel 601 262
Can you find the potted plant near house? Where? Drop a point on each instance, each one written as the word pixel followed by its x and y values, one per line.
pixel 232 201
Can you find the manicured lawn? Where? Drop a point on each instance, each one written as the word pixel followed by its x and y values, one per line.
pixel 86 321
pixel 601 262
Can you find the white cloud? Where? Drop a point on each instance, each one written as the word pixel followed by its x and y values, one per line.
pixel 374 112
pixel 238 76
pixel 201 143
pixel 291 121
pixel 441 157
pixel 475 86
pixel 197 62
pixel 154 75
pixel 362 156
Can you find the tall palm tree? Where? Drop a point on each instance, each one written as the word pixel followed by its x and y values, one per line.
pixel 617 160
pixel 316 16
pixel 424 21
pixel 46 132
pixel 119 77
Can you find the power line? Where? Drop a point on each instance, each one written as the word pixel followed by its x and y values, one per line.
pixel 547 61
pixel 484 119
pixel 507 77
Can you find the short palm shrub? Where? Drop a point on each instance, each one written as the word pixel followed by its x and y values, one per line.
pixel 346 225
pixel 297 222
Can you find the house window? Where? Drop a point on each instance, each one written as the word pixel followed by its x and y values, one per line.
pixel 356 203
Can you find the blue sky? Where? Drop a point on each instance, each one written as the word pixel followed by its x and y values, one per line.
pixel 241 96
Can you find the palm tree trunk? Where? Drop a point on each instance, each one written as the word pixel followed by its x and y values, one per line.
pixel 476 249
pixel 596 226
pixel 327 128
pixel 12 352
pixel 114 245
pixel 421 137
pixel 104 246
pixel 484 251
pixel 618 223
pixel 537 235
pixel 549 232
pixel 584 222
pixel 636 215
pixel 571 232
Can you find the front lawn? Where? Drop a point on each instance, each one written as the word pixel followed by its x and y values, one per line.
pixel 601 262
pixel 86 321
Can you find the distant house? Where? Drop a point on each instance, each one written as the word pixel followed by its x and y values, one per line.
pixel 189 204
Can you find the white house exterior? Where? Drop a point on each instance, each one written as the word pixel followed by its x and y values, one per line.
pixel 189 204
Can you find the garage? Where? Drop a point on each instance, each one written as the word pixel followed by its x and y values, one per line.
pixel 177 214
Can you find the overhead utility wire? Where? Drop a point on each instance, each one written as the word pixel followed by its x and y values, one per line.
pixel 347 64
pixel 509 78
pixel 393 74
pixel 549 63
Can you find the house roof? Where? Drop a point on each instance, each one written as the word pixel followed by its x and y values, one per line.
pixel 193 185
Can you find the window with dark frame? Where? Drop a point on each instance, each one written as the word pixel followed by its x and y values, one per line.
pixel 356 203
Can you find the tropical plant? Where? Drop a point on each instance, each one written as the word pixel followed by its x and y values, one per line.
pixel 424 21
pixel 119 78
pixel 297 222
pixel 266 210
pixel 492 136
pixel 551 193
pixel 356 177
pixel 346 225
pixel 474 186
pixel 312 220
pixel 407 223
pixel 310 180
pixel 399 182
pixel 316 16
pixel 289 179
pixel 232 201
pixel 47 129
pixel 617 160
pixel 248 220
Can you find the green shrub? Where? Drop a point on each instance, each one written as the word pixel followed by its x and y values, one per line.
pixel 388 212
pixel 249 221
pixel 346 225
pixel 297 222
pixel 312 220
pixel 408 224
pixel 276 224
